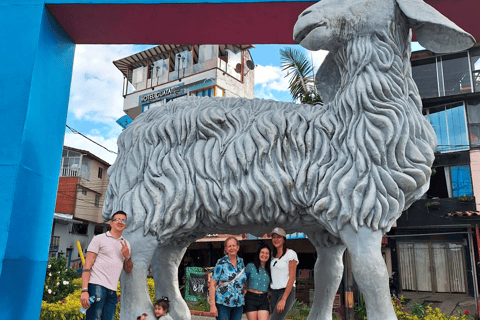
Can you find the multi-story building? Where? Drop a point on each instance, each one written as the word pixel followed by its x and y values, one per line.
pixel 78 209
pixel 166 72
pixel 436 240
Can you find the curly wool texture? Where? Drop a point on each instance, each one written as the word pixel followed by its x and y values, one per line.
pixel 212 162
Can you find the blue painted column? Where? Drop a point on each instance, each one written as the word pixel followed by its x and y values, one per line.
pixel 36 62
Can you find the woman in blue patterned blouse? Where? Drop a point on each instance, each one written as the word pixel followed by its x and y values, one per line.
pixel 227 300
pixel 257 306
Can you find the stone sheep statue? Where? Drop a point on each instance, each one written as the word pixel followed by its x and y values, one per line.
pixel 342 172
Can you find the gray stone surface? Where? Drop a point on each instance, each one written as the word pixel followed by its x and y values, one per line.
pixel 342 172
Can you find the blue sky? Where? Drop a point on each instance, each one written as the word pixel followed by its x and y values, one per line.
pixel 96 100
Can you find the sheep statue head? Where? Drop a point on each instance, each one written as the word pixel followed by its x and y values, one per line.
pixel 342 172
pixel 333 24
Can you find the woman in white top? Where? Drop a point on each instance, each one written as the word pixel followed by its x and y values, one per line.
pixel 283 270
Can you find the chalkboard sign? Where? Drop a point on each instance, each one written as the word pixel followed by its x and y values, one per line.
pixel 197 283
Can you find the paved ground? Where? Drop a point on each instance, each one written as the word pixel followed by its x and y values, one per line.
pixel 450 304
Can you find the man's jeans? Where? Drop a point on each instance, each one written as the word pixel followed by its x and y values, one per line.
pixel 103 309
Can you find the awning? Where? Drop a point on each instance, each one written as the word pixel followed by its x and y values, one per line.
pixel 65 217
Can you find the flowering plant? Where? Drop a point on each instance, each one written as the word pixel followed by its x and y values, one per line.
pixel 58 280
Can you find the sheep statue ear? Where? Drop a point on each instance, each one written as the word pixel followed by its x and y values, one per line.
pixel 328 79
pixel 433 30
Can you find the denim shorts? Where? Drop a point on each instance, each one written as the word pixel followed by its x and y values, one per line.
pixel 105 303
pixel 256 302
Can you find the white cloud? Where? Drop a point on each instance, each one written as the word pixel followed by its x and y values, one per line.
pixel 79 142
pixel 96 91
pixel 271 78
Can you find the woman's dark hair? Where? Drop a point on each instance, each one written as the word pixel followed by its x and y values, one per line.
pixel 256 260
pixel 284 248
pixel 163 302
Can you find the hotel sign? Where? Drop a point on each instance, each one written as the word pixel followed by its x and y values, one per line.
pixel 162 94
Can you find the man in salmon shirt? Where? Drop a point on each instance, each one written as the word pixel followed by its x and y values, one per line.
pixel 107 255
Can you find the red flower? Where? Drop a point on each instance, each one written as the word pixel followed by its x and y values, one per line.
pixel 466 312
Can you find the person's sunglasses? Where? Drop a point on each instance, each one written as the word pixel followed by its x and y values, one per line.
pixel 275 263
pixel 120 220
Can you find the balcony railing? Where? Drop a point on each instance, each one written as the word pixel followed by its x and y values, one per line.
pixel 54 243
pixel 69 172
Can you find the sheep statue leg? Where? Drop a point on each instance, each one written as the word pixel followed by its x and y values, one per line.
pixel 135 298
pixel 165 273
pixel 328 273
pixel 369 270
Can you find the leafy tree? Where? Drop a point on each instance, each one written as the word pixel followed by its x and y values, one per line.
pixel 301 84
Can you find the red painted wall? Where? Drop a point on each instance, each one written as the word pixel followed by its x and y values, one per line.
pixel 203 23
pixel 66 194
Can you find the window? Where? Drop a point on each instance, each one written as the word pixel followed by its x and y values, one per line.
pixel 474 122
pixel 84 191
pixel 100 173
pixel 418 259
pixel 204 93
pixel 475 64
pixel 137 75
pixel 461 181
pixel 448 182
pixel 449 123
pixel 81 228
pixel 97 200
pixel 442 75
pixel 424 73
pixel 456 75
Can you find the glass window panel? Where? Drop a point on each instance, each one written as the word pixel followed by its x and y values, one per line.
pixel 475 63
pixel 422 266
pixel 137 75
pixel 407 266
pixel 474 111
pixel 456 74
pixel 441 269
pixel 425 75
pixel 475 58
pixel 457 129
pixel 449 125
pixel 461 181
pixel 439 124
pixel 474 135
pixel 457 269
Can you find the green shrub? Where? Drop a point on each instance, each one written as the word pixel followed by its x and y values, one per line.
pixel 58 280
pixel 68 308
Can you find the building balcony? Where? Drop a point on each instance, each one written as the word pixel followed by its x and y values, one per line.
pixel 74 172
pixel 54 243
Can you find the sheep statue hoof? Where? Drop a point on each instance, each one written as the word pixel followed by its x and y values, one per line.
pixel 342 172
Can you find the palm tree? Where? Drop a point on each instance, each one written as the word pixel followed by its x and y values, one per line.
pixel 301 84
